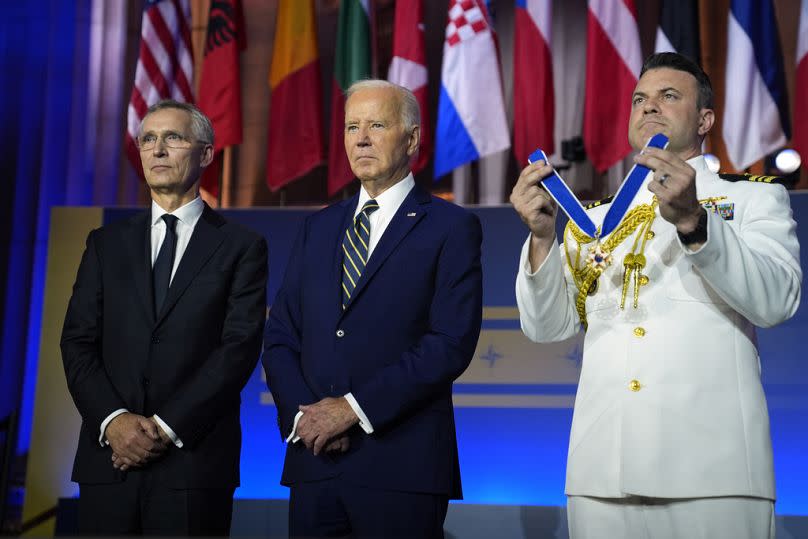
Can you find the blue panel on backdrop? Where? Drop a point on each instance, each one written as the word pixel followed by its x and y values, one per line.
pixel 516 455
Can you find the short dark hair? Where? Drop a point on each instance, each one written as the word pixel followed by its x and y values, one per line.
pixel 673 60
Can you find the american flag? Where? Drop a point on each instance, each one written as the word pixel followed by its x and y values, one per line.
pixel 165 68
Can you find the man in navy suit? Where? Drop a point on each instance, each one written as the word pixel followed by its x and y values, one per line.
pixel 378 314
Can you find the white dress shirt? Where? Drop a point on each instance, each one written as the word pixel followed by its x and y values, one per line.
pixel 187 217
pixel 389 202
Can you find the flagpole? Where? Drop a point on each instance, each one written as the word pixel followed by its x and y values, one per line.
pixel 226 178
pixel 374 53
pixel 219 179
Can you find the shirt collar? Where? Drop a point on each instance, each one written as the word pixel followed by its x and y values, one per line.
pixel 698 163
pixel 390 198
pixel 188 214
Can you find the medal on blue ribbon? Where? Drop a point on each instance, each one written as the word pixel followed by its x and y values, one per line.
pixel 568 202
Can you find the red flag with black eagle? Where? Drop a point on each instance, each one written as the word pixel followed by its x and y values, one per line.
pixel 220 85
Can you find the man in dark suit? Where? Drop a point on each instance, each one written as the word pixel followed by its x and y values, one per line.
pixel 379 312
pixel 162 332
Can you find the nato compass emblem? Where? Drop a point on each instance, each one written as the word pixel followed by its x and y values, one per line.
pixel 491 356
pixel 576 353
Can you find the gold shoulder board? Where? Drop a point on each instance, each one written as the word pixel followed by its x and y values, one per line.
pixel 599 202
pixel 753 178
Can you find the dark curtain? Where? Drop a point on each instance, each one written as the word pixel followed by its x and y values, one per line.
pixel 44 48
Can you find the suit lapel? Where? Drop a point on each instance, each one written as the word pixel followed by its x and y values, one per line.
pixel 138 247
pixel 205 240
pixel 411 211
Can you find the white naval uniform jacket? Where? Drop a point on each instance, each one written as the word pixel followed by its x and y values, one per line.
pixel 698 425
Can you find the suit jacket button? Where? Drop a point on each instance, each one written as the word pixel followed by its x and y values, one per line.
pixel 155 339
pixel 146 381
pixel 340 333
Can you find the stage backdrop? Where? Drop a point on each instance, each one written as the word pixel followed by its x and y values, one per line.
pixel 513 404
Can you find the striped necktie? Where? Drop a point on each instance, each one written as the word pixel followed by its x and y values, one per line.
pixel 355 250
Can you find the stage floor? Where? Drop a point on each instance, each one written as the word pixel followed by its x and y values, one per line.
pixel 267 519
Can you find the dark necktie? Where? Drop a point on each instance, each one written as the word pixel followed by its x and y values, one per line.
pixel 161 272
pixel 355 250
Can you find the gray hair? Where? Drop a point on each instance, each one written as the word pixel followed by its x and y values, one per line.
pixel 200 124
pixel 408 104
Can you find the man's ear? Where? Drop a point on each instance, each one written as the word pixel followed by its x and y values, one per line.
pixel 414 140
pixel 207 155
pixel 706 120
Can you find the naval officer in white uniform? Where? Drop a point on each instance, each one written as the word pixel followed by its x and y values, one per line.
pixel 670 433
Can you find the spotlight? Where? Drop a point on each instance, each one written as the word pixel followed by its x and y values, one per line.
pixel 786 164
pixel 713 163
pixel 787 161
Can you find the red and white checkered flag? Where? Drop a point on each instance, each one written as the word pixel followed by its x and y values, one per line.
pixel 465 19
pixel 165 68
pixel 471 110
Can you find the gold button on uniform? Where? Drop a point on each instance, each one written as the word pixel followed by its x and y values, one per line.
pixel 643 280
pixel 639 332
pixel 634 385
pixel 650 235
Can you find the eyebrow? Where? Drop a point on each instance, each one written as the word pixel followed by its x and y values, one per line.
pixel 166 132
pixel 661 91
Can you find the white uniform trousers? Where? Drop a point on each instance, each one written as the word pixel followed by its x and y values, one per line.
pixel 639 517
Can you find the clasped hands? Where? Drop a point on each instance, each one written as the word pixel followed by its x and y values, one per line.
pixel 135 441
pixel 323 425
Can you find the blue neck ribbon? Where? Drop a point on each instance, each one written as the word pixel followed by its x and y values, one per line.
pixel 568 202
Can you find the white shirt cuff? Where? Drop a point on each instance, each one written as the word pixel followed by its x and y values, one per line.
pixel 525 257
pixel 364 422
pixel 293 437
pixel 171 434
pixel 102 438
